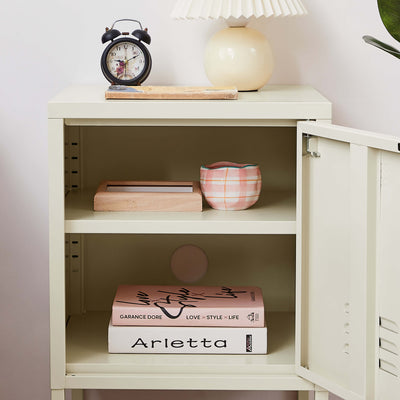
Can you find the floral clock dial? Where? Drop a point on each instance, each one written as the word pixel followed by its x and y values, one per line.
pixel 126 61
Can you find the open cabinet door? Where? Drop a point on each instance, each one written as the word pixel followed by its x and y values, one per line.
pixel 348 187
pixel 388 280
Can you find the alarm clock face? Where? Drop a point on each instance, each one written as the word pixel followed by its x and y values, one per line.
pixel 126 61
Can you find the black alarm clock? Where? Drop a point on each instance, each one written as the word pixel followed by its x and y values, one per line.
pixel 126 60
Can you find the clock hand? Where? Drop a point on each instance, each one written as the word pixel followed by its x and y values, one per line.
pixel 137 55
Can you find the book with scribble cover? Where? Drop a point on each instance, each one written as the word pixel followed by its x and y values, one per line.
pixel 141 305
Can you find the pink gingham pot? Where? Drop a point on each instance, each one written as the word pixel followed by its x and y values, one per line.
pixel 230 186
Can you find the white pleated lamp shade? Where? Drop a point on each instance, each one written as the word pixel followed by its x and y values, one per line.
pixel 227 9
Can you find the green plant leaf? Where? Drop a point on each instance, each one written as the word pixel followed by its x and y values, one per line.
pixel 383 46
pixel 390 14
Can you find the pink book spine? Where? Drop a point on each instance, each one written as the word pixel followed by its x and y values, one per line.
pixel 181 310
pixel 204 317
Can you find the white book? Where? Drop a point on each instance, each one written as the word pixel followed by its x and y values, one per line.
pixel 186 339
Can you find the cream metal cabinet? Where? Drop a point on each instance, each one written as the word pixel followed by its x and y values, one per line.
pixel 321 242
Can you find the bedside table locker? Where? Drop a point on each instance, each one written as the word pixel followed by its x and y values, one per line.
pixel 320 241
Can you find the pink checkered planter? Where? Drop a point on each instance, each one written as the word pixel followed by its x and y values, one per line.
pixel 230 186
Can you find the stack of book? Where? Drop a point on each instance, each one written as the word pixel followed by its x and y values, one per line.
pixel 190 319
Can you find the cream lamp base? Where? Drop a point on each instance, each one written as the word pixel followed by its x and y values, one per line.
pixel 239 56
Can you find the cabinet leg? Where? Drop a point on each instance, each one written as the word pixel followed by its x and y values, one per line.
pixel 302 396
pixel 77 394
pixel 321 395
pixel 57 394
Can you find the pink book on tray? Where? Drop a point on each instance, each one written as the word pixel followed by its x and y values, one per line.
pixel 240 306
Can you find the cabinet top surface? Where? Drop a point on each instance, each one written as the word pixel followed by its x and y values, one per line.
pixel 273 102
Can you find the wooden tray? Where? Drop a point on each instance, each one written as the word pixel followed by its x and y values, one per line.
pixel 172 92
pixel 148 196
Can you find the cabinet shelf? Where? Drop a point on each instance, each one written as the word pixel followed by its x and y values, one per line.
pixel 275 213
pixel 89 363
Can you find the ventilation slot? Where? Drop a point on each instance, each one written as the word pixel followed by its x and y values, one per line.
pixel 388 367
pixel 388 324
pixel 388 346
pixel 389 360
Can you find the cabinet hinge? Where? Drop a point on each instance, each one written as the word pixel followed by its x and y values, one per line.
pixel 310 146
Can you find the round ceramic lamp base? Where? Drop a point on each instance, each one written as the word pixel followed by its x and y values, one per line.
pixel 239 56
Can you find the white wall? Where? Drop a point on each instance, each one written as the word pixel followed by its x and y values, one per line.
pixel 49 44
